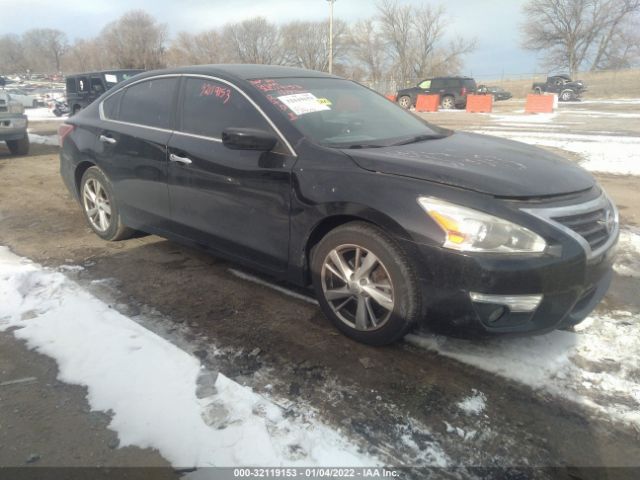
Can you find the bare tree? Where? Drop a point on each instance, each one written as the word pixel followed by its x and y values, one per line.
pixel 197 49
pixel 86 55
pixel 12 57
pixel 414 36
pixel 135 40
pixel 571 31
pixel 617 31
pixel 253 41
pixel 44 48
pixel 306 44
pixel 367 47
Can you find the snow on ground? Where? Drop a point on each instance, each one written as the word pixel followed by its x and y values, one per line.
pixel 525 119
pixel 40 114
pixel 43 139
pixel 628 255
pixel 597 366
pixel 601 153
pixel 473 404
pixel 159 395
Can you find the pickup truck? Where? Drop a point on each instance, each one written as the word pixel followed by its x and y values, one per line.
pixel 13 125
pixel 567 89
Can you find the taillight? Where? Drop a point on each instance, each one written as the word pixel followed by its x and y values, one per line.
pixel 463 92
pixel 64 130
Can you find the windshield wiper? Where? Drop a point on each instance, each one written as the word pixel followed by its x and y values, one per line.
pixel 364 145
pixel 418 138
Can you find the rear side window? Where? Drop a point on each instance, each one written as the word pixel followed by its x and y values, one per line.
pixel 111 106
pixel 209 107
pixel 83 84
pixel 71 85
pixel 437 83
pixel 149 103
pixel 452 83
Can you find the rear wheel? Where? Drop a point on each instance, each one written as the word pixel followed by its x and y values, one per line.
pixel 366 284
pixel 405 102
pixel 19 147
pixel 537 91
pixel 100 206
pixel 448 102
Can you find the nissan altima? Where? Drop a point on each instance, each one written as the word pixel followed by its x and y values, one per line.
pixel 320 181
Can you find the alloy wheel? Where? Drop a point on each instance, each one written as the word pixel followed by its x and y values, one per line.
pixel 358 288
pixel 405 102
pixel 447 103
pixel 96 204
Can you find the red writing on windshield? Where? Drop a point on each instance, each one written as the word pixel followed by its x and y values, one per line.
pixel 269 85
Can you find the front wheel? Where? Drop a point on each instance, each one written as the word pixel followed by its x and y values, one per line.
pixel 100 206
pixel 405 102
pixel 366 284
pixel 566 96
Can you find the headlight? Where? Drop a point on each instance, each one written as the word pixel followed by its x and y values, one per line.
pixel 471 231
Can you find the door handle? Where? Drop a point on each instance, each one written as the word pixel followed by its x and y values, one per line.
pixel 178 159
pixel 105 139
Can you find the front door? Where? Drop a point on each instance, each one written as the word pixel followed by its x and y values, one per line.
pixel 236 201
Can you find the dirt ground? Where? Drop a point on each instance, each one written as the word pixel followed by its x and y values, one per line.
pixel 379 397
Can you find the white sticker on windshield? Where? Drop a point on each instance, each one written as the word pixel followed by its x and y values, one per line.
pixel 111 78
pixel 301 103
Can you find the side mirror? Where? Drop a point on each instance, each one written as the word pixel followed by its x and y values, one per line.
pixel 248 139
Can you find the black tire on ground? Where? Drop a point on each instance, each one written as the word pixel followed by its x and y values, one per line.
pixel 76 109
pixel 19 147
pixel 566 96
pixel 448 102
pixel 537 91
pixel 116 230
pixel 407 299
pixel 405 102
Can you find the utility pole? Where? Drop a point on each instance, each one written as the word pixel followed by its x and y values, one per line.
pixel 331 2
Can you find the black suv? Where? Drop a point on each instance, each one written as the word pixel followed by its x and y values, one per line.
pixel 84 88
pixel 452 90
pixel 318 180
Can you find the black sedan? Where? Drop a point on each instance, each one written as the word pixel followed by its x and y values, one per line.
pixel 498 93
pixel 318 180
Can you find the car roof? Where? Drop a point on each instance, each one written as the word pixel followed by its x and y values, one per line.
pixel 243 71
pixel 122 70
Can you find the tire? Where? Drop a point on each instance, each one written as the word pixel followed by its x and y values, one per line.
pixel 393 279
pixel 448 102
pixel 537 91
pixel 76 109
pixel 19 147
pixel 111 229
pixel 405 102
pixel 566 96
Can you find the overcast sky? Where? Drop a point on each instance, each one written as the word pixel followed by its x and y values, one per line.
pixel 495 23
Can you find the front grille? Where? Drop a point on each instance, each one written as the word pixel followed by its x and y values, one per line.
pixel 592 226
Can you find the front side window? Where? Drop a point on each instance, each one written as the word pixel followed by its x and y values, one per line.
pixel 111 105
pixel 149 103
pixel 341 113
pixel 209 107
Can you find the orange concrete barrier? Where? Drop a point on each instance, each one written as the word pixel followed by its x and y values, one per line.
pixel 539 103
pixel 427 103
pixel 479 103
pixel 391 96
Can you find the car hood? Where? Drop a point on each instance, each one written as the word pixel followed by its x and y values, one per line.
pixel 481 163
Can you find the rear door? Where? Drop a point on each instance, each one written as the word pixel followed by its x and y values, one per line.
pixel 132 149
pixel 236 201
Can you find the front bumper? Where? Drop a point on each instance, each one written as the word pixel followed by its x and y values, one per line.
pixel 463 291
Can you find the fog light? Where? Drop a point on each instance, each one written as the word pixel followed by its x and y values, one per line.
pixel 496 314
pixel 515 303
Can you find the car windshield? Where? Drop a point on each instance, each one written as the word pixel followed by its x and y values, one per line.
pixel 340 113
